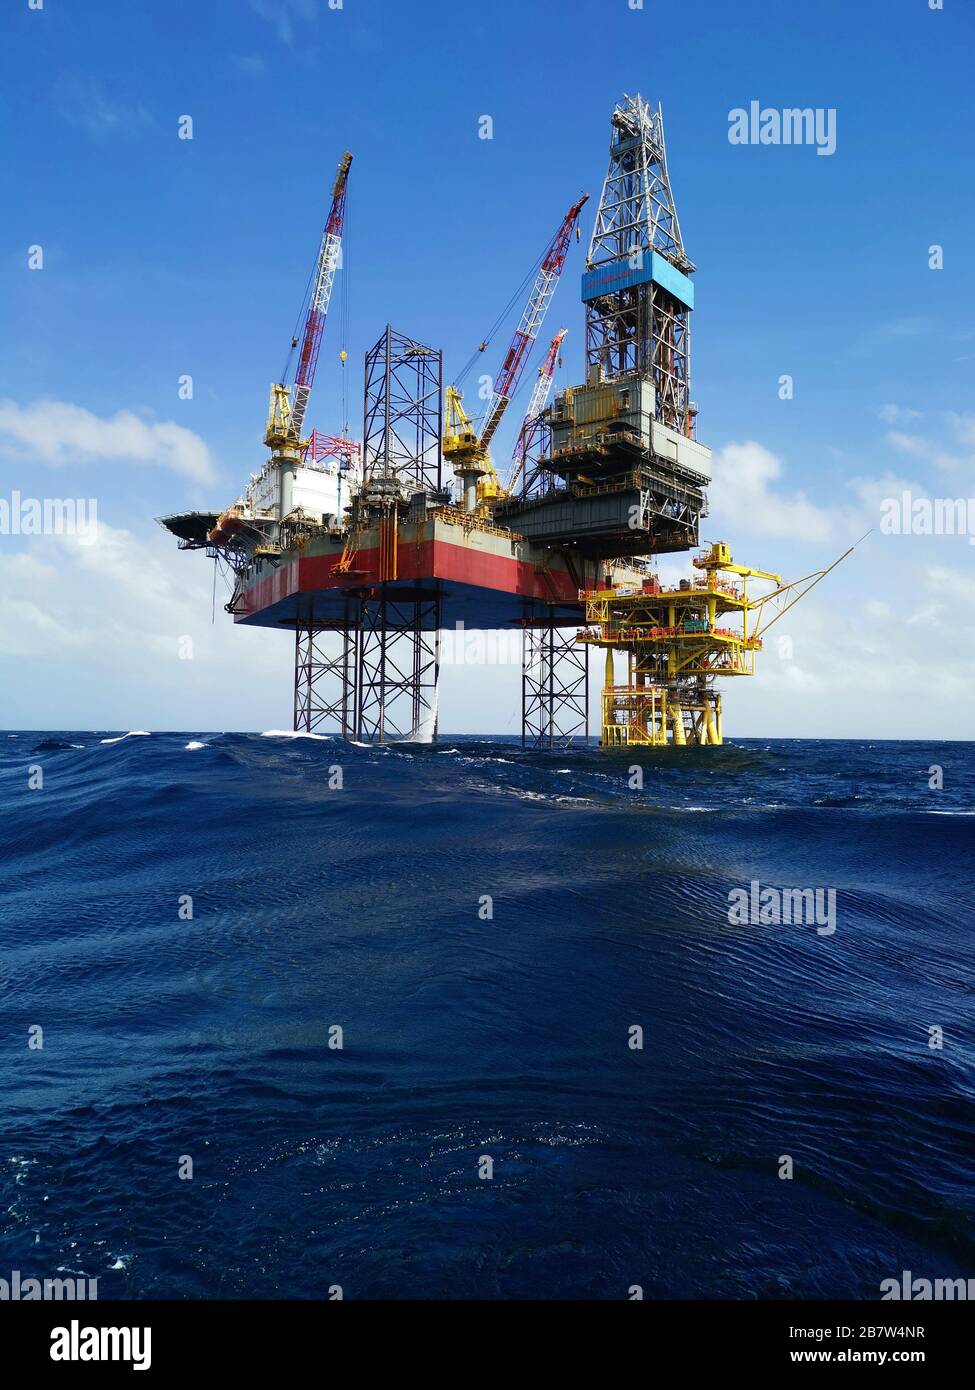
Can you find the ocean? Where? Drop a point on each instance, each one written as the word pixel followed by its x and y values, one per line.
pixel 196 921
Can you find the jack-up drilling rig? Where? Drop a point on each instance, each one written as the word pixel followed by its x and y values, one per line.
pixel 603 479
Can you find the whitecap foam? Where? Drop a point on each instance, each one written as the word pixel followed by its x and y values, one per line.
pixel 297 733
pixel 194 743
pixel 133 733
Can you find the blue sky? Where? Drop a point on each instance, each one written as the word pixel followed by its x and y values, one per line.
pixel 164 257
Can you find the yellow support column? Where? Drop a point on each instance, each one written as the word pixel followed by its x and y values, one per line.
pixel 609 736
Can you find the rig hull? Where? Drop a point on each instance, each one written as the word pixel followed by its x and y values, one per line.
pixel 486 578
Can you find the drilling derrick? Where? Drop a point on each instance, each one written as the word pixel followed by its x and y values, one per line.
pixel 624 474
pixel 637 290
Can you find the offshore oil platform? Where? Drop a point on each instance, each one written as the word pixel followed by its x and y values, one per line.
pixel 368 550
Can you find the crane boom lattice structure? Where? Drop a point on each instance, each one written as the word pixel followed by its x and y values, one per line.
pixel 328 262
pixel 532 319
pixel 532 433
pixel 469 450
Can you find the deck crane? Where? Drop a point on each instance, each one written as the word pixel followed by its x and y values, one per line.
pixel 463 446
pixel 532 424
pixel 288 403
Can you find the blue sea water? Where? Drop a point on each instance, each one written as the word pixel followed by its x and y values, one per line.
pixel 466 1036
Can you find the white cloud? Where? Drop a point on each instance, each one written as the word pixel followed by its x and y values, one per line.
pixel 892 332
pixel 744 497
pixel 911 444
pixel 953 584
pixel 56 432
pixel 963 426
pixel 873 492
pixel 252 64
pixel 897 414
pixel 861 665
pixel 91 636
pixel 283 13
pixel 83 102
pixel 917 446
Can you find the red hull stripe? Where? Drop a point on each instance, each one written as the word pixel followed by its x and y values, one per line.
pixel 428 560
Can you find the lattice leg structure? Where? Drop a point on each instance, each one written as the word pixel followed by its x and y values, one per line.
pixel 325 677
pixel 399 667
pixel 554 686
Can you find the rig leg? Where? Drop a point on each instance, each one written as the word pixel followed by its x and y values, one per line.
pixel 554 686
pixel 398 667
pixel 325 677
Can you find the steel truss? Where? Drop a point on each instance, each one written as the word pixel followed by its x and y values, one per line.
pixel 403 417
pixel 379 681
pixel 642 329
pixel 554 685
pixel 399 666
pixel 326 676
pixel 537 477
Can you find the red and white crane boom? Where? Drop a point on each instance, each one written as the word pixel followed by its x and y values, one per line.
pixel 521 344
pixel 328 263
pixel 532 424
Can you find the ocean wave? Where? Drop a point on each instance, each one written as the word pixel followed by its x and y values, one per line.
pixel 299 733
pixel 189 931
